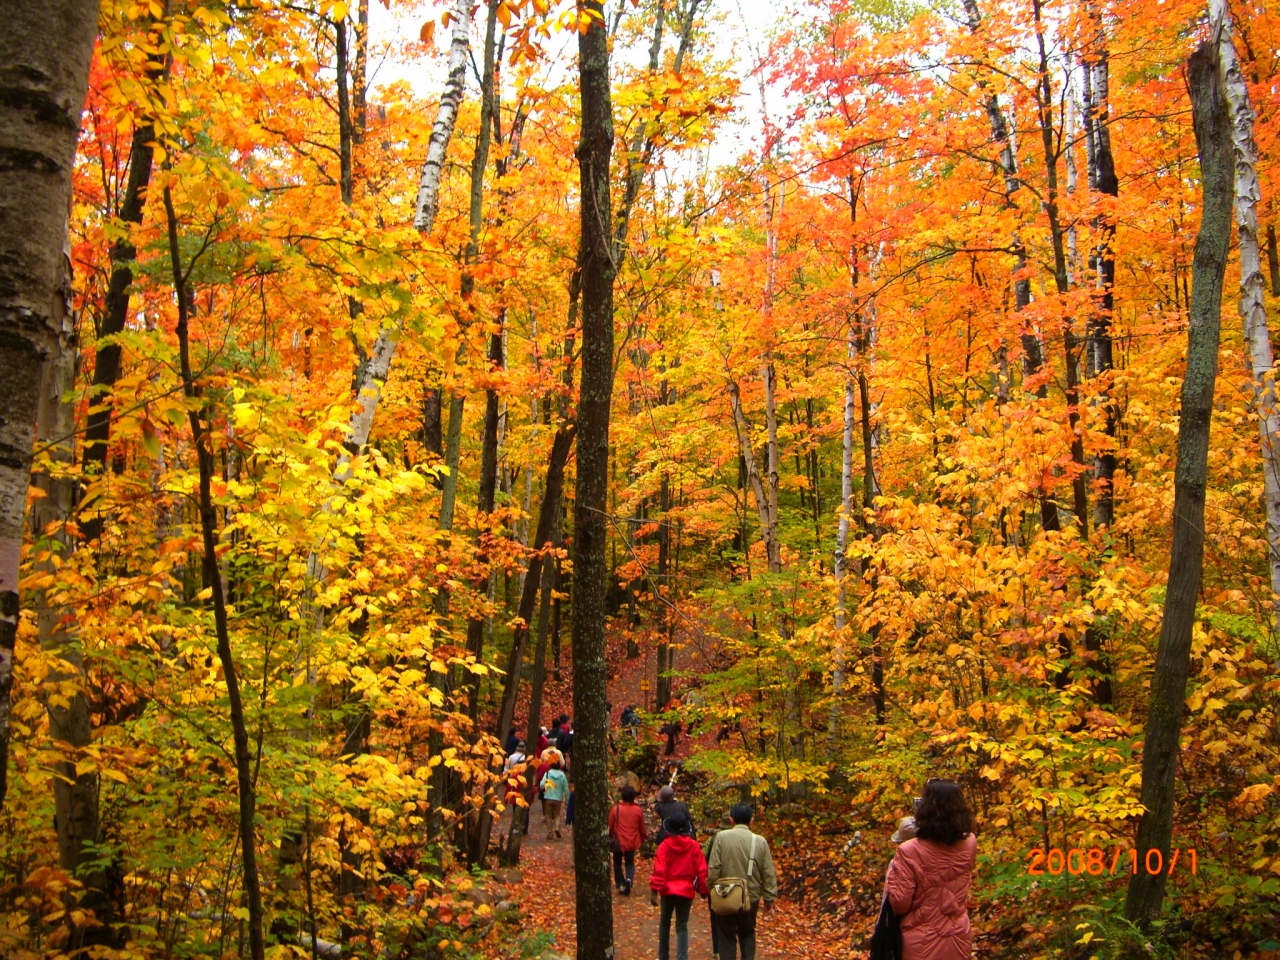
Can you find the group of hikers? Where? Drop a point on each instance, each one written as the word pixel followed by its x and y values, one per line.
pixel 734 871
pixel 545 773
pixel 924 911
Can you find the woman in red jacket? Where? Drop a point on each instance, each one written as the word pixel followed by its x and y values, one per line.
pixel 626 827
pixel 679 874
pixel 928 882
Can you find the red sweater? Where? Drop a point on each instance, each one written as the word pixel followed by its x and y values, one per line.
pixel 626 822
pixel 679 869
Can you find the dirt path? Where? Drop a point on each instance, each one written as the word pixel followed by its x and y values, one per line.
pixel 546 893
pixel 547 898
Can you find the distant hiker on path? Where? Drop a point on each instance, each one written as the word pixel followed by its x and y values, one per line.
pixel 630 721
pixel 671 731
pixel 679 874
pixel 627 834
pixel 666 808
pixel 555 790
pixel 928 880
pixel 739 853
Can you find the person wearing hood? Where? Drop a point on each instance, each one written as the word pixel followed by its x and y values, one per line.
pixel 666 808
pixel 679 874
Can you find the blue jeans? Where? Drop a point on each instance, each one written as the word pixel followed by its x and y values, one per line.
pixel 630 857
pixel 678 907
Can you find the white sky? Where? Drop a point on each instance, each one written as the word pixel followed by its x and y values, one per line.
pixel 740 28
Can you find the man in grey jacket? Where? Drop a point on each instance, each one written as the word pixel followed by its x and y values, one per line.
pixel 737 852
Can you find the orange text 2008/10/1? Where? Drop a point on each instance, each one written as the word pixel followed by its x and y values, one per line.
pixel 1096 861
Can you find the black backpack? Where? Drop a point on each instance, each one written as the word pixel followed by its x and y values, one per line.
pixel 886 939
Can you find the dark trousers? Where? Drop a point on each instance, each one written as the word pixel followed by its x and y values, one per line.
pixel 679 908
pixel 735 929
pixel 630 857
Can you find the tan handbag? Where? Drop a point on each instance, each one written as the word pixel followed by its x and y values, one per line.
pixel 730 895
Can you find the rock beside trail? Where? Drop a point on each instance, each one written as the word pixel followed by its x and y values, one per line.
pixel 552 955
pixel 508 875
pixel 479 896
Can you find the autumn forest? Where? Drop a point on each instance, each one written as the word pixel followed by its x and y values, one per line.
pixel 860 391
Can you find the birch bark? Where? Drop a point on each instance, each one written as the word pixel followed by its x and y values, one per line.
pixel 375 372
pixel 1252 308
pixel 45 49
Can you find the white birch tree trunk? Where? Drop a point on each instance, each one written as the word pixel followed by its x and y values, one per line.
pixel 1253 311
pixel 45 49
pixel 842 542
pixel 376 371
pixel 768 529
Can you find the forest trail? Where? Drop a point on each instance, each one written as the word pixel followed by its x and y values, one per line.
pixel 547 898
pixel 546 894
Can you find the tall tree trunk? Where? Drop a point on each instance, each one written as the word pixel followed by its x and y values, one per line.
pixel 871 490
pixel 201 441
pixel 360 71
pixel 75 794
pixel 1273 259
pixel 768 529
pixel 489 444
pixel 594 897
pixel 1173 657
pixel 1050 139
pixel 1253 310
pixel 544 540
pixel 662 594
pixel 45 49
pixel 106 368
pixel 1032 348
pixel 520 814
pixel 1103 179
pixel 374 374
pixel 840 563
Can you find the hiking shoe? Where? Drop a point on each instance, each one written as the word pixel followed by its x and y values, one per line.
pixel 557 834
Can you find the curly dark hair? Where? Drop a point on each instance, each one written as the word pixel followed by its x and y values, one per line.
pixel 943 816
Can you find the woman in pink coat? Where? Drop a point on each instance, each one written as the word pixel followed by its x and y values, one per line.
pixel 928 882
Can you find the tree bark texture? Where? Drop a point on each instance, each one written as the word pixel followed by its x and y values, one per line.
pixel 106 368
pixel 768 529
pixel 1103 179
pixel 1253 309
pixel 45 49
pixel 840 563
pixel 594 894
pixel 544 539
pixel 75 795
pixel 1173 657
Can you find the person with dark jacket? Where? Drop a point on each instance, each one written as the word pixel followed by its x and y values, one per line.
pixel 928 880
pixel 666 808
pixel 628 833
pixel 679 874
pixel 566 737
pixel 513 739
